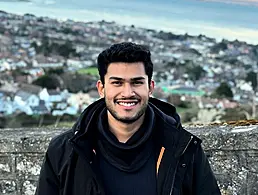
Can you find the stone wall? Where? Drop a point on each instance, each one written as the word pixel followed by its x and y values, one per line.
pixel 232 151
pixel 233 154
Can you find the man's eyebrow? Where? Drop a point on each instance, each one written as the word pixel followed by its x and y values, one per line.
pixel 121 79
pixel 137 78
pixel 115 78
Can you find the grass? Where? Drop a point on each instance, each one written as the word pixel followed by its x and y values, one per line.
pixel 92 71
pixel 60 125
pixel 181 110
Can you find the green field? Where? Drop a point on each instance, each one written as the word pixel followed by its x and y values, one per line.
pixel 92 71
pixel 61 125
pixel 181 110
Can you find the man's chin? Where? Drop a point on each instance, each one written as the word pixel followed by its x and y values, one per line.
pixel 127 120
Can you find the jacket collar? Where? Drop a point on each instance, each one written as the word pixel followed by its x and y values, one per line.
pixel 171 134
pixel 174 137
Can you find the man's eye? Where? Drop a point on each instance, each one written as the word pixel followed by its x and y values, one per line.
pixel 117 83
pixel 137 83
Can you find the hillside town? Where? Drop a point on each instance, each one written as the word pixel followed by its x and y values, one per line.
pixel 48 67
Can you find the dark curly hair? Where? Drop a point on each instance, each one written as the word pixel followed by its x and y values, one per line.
pixel 125 52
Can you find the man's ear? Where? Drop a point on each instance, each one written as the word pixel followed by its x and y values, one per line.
pixel 100 87
pixel 152 85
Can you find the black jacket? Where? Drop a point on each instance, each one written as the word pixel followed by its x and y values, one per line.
pixel 182 166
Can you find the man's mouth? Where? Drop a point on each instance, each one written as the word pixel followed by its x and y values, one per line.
pixel 127 103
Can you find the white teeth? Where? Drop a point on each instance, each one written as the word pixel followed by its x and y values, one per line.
pixel 127 104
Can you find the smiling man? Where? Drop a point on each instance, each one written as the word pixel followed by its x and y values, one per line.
pixel 126 90
pixel 126 143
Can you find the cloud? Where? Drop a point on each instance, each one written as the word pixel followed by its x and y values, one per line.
pixel 240 2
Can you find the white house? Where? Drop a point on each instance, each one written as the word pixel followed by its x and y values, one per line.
pixel 51 96
pixel 23 98
pixel 40 109
pixel 4 65
pixel 48 65
pixel 80 99
pixel 35 72
pixel 74 63
pixel 43 95
pixel 71 110
pixel 6 104
pixel 27 97
pixel 55 96
pixel 20 64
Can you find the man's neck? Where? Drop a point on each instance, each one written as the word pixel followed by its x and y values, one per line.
pixel 121 130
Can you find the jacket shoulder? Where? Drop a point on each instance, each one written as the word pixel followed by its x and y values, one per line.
pixel 60 139
pixel 59 150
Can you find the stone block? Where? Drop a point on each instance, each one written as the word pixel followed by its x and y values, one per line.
pixel 8 187
pixel 34 145
pixel 26 140
pixel 7 167
pixel 252 161
pixel 230 168
pixel 252 184
pixel 29 165
pixel 29 187
pixel 9 145
pixel 227 137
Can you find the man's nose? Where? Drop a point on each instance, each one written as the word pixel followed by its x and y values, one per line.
pixel 128 90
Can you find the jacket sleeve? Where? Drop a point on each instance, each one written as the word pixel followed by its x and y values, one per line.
pixel 48 182
pixel 204 180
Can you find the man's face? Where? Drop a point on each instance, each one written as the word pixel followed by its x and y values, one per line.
pixel 126 91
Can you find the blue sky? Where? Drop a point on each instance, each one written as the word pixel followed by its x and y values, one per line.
pixel 229 19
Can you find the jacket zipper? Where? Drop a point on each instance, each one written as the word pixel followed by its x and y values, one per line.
pixel 174 175
pixel 187 145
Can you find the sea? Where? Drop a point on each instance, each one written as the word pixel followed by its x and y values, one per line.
pixel 212 18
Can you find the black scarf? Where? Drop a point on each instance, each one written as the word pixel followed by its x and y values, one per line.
pixel 133 154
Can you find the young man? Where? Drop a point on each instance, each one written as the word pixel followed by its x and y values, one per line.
pixel 126 143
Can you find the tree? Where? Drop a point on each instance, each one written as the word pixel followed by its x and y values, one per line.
pixel 78 82
pixel 49 81
pixel 222 46
pixel 223 91
pixel 159 93
pixel 66 49
pixel 195 72
pixel 18 72
pixel 35 46
pixel 171 65
pixel 234 114
pixel 45 47
pixel 252 77
pixel 57 71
